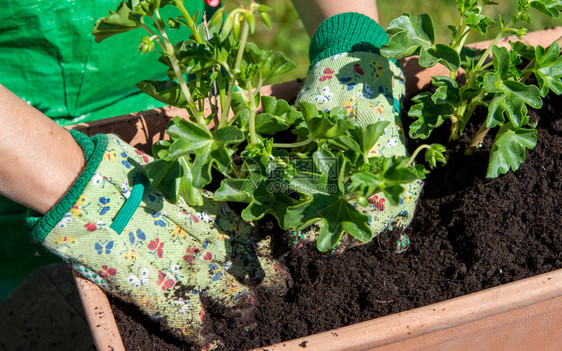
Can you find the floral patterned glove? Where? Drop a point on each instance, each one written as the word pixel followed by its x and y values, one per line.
pixel 347 70
pixel 120 233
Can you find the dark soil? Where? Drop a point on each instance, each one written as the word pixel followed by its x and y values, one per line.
pixel 469 233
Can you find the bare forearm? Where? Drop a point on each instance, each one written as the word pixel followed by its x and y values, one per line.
pixel 314 12
pixel 40 160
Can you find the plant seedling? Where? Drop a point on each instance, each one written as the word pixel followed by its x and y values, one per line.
pixel 315 177
pixel 498 84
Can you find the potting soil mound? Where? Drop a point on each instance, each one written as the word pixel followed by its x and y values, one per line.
pixel 469 233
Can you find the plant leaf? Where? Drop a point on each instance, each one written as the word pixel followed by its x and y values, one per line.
pixel 269 124
pixel 440 53
pixel 511 99
pixel 168 92
pixel 386 175
pixel 280 108
pixel 523 50
pixel 120 21
pixel 367 136
pixel 548 69
pixel 173 178
pixel 323 199
pixel 478 21
pixel 337 216
pixel 447 91
pixel 509 147
pixel 408 36
pixel 275 65
pixel 264 188
pixel 416 36
pixel 469 56
pixel 228 135
pixel 551 8
pixel 322 125
pixel 236 190
pixel 500 57
pixel 268 198
pixel 193 135
pixel 146 7
pixel 207 149
pixel 344 143
pixel 277 115
pixel 429 114
pixel 463 6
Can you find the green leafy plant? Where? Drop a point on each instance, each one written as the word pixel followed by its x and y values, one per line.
pixel 300 165
pixel 319 170
pixel 499 84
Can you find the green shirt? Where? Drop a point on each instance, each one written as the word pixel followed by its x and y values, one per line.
pixel 48 57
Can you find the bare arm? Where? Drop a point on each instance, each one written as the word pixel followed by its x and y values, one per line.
pixel 40 160
pixel 314 12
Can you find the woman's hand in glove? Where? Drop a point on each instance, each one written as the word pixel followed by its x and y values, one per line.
pixel 120 233
pixel 348 71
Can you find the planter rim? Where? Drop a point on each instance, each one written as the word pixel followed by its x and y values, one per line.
pixel 366 335
pixel 100 318
pixel 432 318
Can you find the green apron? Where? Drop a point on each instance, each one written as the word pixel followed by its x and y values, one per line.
pixel 48 58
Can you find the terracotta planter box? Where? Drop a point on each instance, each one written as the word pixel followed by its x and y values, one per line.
pixel 523 315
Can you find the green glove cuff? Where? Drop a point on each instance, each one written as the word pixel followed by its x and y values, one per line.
pixel 93 149
pixel 346 32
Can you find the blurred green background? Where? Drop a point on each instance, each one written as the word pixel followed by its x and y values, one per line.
pixel 289 36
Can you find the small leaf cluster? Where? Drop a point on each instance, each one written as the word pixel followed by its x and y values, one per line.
pixel 322 175
pixel 499 84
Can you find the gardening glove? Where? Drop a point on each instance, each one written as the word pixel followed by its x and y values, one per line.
pixel 120 233
pixel 347 70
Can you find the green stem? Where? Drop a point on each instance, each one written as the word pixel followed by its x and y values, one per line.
pixel 492 45
pixel 222 99
pixel 464 113
pixel 530 68
pixel 462 33
pixel 252 116
pixel 488 65
pixel 243 39
pixel 467 113
pixel 169 50
pixel 452 75
pixel 294 145
pixel 185 90
pixel 458 46
pixel 260 83
pixel 456 120
pixel 477 140
pixel 458 42
pixel 226 108
pixel 214 105
pixel 201 102
pixel 415 154
pixel 252 127
pixel 190 23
